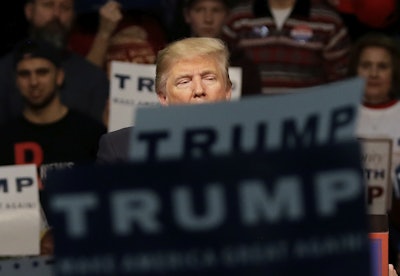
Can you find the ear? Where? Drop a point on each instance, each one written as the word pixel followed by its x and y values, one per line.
pixel 228 93
pixel 60 77
pixel 162 98
pixel 28 9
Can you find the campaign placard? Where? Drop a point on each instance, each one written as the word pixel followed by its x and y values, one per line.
pixel 19 210
pixel 282 213
pixel 133 85
pixel 377 160
pixel 315 116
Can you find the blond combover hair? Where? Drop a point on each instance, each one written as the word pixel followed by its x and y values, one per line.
pixel 188 48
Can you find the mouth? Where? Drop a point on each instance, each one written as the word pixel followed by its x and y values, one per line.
pixel 199 100
pixel 208 30
pixel 35 95
pixel 374 83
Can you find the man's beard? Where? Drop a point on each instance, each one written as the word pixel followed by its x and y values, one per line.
pixel 40 105
pixel 53 32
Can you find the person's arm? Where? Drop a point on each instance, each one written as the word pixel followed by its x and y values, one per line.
pixel 337 50
pixel 110 15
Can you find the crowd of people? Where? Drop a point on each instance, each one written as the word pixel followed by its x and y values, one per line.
pixel 54 81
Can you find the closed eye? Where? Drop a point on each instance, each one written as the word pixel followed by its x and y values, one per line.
pixel 365 65
pixel 182 82
pixel 383 66
pixel 43 71
pixel 23 73
pixel 209 77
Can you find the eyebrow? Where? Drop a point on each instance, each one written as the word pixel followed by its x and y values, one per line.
pixel 207 72
pixel 36 70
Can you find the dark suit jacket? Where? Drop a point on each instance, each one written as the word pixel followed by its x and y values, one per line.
pixel 114 146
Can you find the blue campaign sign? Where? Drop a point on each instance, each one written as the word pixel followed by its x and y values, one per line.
pixel 286 212
pixel 82 6
pixel 318 115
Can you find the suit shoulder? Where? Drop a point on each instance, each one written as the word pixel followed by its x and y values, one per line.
pixel 120 134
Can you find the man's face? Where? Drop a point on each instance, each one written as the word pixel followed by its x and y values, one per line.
pixel 50 18
pixel 206 17
pixel 38 79
pixel 195 80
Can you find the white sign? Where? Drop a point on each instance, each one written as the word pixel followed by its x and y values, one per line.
pixel 19 210
pixel 32 265
pixel 133 86
pixel 377 156
pixel 235 74
pixel 314 117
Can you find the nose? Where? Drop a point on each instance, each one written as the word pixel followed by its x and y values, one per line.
pixel 198 88
pixel 56 11
pixel 208 16
pixel 373 71
pixel 33 80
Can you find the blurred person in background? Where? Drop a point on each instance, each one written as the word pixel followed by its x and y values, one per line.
pixel 206 18
pixel 86 87
pixel 376 58
pixel 122 33
pixel 46 133
pixel 294 43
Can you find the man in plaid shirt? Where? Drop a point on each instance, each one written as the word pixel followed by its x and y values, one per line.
pixel 295 43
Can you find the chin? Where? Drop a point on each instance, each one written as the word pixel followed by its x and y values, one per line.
pixel 372 93
pixel 207 34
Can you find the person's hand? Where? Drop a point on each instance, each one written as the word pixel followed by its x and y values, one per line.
pixel 110 15
pixel 47 243
pixel 392 271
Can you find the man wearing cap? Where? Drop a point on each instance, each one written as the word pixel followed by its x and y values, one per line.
pixel 87 85
pixel 294 43
pixel 47 132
